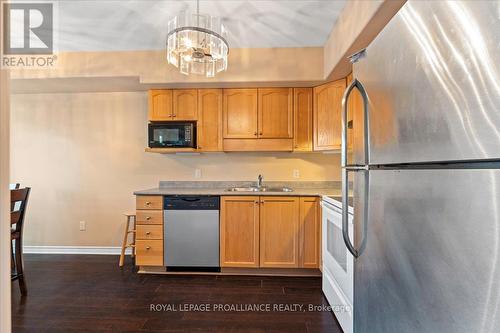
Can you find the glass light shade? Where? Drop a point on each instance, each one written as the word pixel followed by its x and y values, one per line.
pixel 196 44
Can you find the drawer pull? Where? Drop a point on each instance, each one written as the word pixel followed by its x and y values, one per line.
pixel 148 203
pixel 148 218
pixel 148 247
pixel 148 233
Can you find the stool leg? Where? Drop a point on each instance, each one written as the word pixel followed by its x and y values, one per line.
pixel 124 244
pixel 134 227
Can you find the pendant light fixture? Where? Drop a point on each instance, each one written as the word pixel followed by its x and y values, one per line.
pixel 196 44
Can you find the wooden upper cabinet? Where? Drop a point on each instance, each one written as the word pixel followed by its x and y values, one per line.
pixel 239 231
pixel 327 107
pixel 302 119
pixel 185 104
pixel 309 232
pixel 275 113
pixel 160 105
pixel 279 225
pixel 240 114
pixel 210 119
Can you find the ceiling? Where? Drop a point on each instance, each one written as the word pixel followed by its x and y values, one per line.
pixel 118 25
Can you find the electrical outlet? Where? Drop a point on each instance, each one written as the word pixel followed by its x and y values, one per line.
pixel 296 173
pixel 83 226
pixel 197 173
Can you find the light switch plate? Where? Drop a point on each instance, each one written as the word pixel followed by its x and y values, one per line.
pixel 296 173
pixel 197 173
pixel 83 226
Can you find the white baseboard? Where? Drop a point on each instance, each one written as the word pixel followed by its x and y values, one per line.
pixel 109 250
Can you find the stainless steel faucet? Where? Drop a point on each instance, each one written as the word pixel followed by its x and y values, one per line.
pixel 260 179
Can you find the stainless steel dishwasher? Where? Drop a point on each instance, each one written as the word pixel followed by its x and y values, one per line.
pixel 191 233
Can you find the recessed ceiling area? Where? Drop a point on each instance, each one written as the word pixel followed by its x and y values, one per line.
pixel 113 25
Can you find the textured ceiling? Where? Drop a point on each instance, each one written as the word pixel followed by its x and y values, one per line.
pixel 116 25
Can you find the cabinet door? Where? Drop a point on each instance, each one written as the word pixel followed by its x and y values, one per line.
pixel 160 105
pixel 239 231
pixel 309 232
pixel 240 113
pixel 149 252
pixel 275 111
pixel 185 104
pixel 210 119
pixel 279 225
pixel 302 119
pixel 327 115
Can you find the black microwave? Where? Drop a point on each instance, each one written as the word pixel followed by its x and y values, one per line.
pixel 172 135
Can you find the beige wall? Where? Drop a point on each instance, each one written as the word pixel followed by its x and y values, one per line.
pixel 248 67
pixel 83 155
pixel 5 283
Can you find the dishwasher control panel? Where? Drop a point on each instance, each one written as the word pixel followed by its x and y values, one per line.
pixel 191 202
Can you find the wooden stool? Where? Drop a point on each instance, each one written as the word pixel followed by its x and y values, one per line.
pixel 126 244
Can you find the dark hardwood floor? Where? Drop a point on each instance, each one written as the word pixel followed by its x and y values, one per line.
pixel 90 293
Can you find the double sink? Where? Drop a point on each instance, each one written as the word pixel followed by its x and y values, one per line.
pixel 259 189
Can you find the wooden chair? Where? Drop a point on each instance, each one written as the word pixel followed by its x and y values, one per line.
pixel 17 215
pixel 13 186
pixel 130 220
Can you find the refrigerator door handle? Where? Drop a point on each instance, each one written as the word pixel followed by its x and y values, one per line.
pixel 358 85
pixel 347 167
pixel 345 213
pixel 345 210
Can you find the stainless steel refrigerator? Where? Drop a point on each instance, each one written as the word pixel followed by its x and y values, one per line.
pixel 427 187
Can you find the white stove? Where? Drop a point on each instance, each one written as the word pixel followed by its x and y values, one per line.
pixel 338 263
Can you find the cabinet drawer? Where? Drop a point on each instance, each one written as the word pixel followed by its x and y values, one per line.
pixel 149 252
pixel 149 232
pixel 149 217
pixel 149 202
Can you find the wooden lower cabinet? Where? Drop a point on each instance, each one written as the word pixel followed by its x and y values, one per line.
pixel 270 232
pixel 310 233
pixel 239 231
pixel 149 252
pixel 149 231
pixel 279 236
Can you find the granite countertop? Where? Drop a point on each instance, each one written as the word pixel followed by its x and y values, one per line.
pixel 306 188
